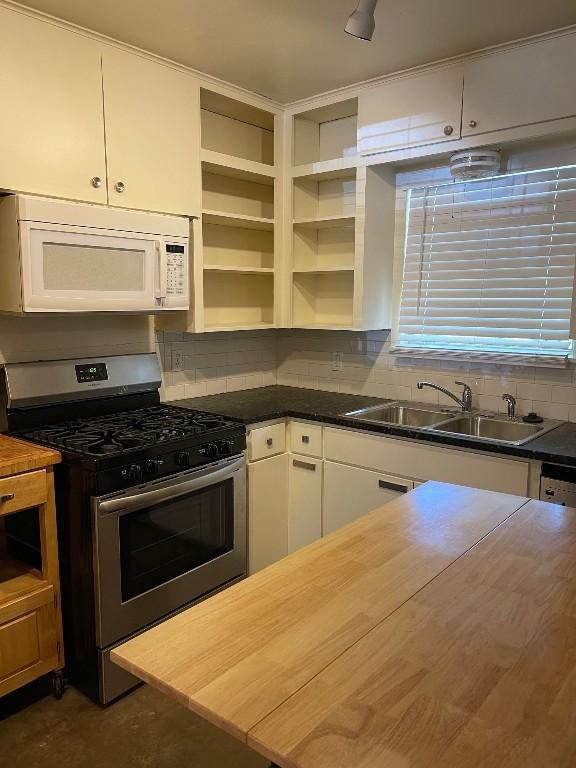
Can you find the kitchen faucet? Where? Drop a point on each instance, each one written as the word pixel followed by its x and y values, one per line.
pixel 511 400
pixel 465 402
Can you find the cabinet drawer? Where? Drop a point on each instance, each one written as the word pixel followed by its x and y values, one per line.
pixel 22 491
pixel 266 441
pixel 28 640
pixel 306 438
pixel 426 462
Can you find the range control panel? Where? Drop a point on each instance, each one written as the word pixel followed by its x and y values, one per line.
pixel 176 271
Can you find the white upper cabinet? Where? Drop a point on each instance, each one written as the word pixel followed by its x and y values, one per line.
pixel 152 134
pixel 529 84
pixel 411 111
pixel 52 127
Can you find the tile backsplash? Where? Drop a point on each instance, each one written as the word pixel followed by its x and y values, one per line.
pixel 224 362
pixel 211 363
pixel 304 359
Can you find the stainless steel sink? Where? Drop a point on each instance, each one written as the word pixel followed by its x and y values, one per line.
pixel 491 428
pixel 494 429
pixel 401 415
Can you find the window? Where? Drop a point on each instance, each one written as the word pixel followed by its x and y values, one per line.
pixel 489 268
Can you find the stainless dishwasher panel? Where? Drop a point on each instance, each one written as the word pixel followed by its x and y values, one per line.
pixel 558 491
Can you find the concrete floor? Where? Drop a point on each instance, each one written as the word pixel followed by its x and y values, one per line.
pixel 143 730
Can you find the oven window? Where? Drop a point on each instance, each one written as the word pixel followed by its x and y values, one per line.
pixel 169 539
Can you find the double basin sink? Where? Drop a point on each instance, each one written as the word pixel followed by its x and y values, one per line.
pixel 449 422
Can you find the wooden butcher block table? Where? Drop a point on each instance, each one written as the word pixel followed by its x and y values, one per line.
pixel 437 630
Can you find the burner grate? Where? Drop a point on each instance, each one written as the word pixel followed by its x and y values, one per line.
pixel 128 430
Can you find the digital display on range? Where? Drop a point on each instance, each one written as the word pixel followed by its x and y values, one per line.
pixel 91 372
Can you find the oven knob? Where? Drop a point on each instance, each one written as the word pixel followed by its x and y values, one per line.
pixel 210 451
pixel 225 447
pixel 151 468
pixel 183 459
pixel 135 473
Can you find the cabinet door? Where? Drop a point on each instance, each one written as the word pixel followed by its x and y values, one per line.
pixel 529 84
pixel 411 111
pixel 28 639
pixel 305 501
pixel 152 135
pixel 350 492
pixel 267 512
pixel 52 127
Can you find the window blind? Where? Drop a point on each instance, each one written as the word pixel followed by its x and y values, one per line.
pixel 489 268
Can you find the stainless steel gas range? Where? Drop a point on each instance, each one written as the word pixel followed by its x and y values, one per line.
pixel 151 501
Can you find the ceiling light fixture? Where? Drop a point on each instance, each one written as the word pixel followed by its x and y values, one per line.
pixel 361 23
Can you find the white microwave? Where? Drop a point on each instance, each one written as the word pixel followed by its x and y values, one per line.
pixel 61 256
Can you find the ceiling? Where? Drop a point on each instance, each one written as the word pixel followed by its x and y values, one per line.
pixel 291 49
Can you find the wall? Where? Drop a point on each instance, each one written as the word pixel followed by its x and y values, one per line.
pixel 215 362
pixel 305 360
pixel 24 339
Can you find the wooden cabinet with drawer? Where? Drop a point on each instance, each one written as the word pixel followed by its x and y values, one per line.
pixel 30 617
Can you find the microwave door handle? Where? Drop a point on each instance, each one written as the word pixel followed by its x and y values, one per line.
pixel 141 500
pixel 161 276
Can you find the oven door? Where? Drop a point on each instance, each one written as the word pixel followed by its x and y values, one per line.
pixel 165 544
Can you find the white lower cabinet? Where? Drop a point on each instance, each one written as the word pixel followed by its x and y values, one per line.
pixel 305 501
pixel 426 461
pixel 294 499
pixel 267 511
pixel 351 492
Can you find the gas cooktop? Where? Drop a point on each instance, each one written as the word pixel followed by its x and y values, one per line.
pixel 127 431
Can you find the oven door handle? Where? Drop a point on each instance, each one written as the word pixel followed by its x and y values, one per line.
pixel 140 500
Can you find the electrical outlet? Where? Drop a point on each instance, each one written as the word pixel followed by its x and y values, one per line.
pixel 337 361
pixel 177 360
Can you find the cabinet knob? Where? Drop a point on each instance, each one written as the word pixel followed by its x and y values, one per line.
pixel 472 123
pixel 269 442
pixel 448 130
pixel 119 186
pixel 96 182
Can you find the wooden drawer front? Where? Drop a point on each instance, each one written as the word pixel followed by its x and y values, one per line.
pixel 19 645
pixel 306 438
pixel 266 441
pixel 426 462
pixel 22 491
pixel 28 644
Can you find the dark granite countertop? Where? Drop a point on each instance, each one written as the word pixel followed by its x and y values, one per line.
pixel 251 406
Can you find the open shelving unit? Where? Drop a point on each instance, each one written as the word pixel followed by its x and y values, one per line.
pixel 323 299
pixel 235 128
pixel 342 225
pixel 323 249
pixel 238 214
pixel 325 138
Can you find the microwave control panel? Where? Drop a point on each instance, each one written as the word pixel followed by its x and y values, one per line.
pixel 176 269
